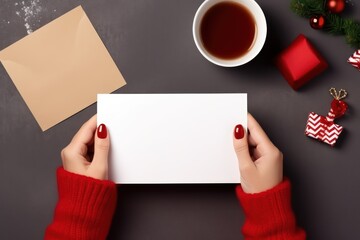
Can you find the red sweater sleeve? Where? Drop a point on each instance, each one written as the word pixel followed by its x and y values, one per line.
pixel 269 215
pixel 84 210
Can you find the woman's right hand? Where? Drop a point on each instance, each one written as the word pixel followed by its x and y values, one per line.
pixel 260 162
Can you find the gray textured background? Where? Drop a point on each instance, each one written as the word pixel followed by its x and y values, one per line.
pixel 151 42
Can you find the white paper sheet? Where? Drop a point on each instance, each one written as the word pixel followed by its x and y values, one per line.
pixel 172 138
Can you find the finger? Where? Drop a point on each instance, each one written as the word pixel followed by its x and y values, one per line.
pixel 257 136
pixel 241 147
pixel 101 148
pixel 85 134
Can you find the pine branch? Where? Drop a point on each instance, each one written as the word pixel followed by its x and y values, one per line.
pixel 335 24
pixel 307 8
pixel 352 33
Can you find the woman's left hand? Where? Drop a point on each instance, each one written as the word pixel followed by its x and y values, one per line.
pixel 87 153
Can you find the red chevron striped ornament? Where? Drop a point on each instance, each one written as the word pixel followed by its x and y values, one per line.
pixel 323 128
pixel 355 59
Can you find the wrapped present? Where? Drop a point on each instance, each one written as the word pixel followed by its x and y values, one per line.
pixel 320 128
pixel 323 128
pixel 355 59
pixel 300 62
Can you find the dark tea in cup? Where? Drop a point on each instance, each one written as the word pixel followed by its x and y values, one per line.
pixel 228 30
pixel 229 33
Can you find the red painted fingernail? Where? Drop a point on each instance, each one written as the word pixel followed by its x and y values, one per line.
pixel 239 131
pixel 102 131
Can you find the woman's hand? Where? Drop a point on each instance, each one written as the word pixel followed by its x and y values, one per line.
pixel 87 153
pixel 260 162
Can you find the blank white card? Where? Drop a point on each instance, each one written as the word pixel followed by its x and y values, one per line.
pixel 172 138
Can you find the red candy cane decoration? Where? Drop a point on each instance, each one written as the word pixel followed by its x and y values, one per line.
pixel 355 59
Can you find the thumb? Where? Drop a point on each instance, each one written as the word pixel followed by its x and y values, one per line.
pixel 241 148
pixel 101 147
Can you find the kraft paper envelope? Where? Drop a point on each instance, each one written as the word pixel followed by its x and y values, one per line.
pixel 172 138
pixel 60 68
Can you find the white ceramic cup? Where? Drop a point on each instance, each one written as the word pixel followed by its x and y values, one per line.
pixel 260 34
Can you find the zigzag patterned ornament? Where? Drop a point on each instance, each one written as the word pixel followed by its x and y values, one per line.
pixel 323 128
pixel 355 59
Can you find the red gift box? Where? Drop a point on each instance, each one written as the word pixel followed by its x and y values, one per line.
pixel 324 128
pixel 300 62
pixel 319 127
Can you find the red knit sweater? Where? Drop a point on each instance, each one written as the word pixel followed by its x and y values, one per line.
pixel 269 215
pixel 84 210
pixel 86 206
